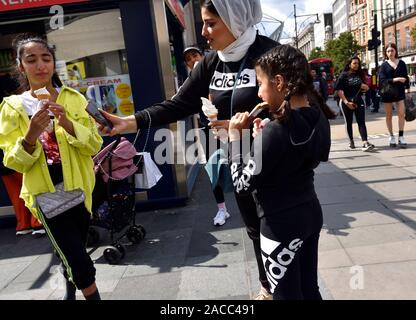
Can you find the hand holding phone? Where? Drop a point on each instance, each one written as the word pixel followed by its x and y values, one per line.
pixel 94 112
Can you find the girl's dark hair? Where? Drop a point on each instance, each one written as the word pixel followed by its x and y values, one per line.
pixel 391 45
pixel 19 44
pixel 359 72
pixel 209 6
pixel 292 65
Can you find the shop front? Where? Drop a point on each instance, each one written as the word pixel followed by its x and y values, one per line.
pixel 123 55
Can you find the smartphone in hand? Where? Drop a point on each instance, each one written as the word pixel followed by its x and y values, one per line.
pixel 93 111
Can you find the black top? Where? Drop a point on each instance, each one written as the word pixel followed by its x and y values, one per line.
pixel 350 83
pixel 280 173
pixel 212 76
pixel 387 73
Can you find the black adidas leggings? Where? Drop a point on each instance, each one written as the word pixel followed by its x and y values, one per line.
pixel 359 116
pixel 289 245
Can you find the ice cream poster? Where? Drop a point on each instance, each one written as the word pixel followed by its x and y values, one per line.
pixel 76 71
pixel 112 94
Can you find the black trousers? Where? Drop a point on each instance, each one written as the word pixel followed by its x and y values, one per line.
pixel 68 234
pixel 289 245
pixel 210 144
pixel 359 113
pixel 248 210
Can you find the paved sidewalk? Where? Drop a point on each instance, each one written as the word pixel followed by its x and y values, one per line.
pixel 367 247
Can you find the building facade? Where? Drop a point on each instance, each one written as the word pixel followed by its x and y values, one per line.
pixel 321 31
pixel 340 12
pixel 306 40
pixel 359 24
pixel 399 19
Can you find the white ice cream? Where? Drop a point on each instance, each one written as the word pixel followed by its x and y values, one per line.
pixel 209 109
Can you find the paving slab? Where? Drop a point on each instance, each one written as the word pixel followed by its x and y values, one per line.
pixel 386 281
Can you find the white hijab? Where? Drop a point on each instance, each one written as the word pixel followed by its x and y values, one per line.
pixel 239 16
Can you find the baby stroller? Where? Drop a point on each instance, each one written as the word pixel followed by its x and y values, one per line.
pixel 114 198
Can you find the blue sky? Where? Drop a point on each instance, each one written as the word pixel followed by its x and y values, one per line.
pixel 283 11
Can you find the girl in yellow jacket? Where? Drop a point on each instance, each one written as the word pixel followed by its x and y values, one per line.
pixel 49 142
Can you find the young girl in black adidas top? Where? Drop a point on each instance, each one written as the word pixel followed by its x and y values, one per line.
pixel 280 172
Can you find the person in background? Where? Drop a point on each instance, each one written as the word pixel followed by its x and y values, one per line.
pixel 192 56
pixel 350 85
pixel 229 29
pixel 51 151
pixel 25 222
pixel 394 71
pixel 287 150
pixel 320 85
pixel 367 94
pixel 374 91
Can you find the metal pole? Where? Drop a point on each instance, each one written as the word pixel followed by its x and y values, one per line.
pixel 376 47
pixel 296 27
pixel 395 25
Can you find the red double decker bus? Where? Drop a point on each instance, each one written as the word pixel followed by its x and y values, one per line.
pixel 324 65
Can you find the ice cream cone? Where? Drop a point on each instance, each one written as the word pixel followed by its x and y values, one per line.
pixel 42 94
pixel 212 117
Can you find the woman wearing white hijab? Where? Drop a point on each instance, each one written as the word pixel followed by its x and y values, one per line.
pixel 228 77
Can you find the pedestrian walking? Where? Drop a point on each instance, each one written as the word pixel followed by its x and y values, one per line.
pixel 350 85
pixel 52 152
pixel 393 73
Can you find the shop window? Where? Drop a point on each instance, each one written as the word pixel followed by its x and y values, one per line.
pixel 90 54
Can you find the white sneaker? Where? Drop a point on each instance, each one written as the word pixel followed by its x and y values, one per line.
pixel 38 232
pixel 221 217
pixel 402 142
pixel 392 141
pixel 23 232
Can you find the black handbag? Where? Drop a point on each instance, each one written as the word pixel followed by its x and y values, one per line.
pixel 390 90
pixel 410 109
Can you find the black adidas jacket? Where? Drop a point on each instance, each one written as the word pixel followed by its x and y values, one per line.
pixel 212 76
pixel 280 171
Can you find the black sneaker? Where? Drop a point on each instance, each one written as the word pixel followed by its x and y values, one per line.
pixel 352 144
pixel 368 147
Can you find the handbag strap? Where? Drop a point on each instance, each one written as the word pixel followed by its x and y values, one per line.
pixel 235 84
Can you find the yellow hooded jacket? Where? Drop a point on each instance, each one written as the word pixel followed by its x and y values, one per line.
pixel 76 152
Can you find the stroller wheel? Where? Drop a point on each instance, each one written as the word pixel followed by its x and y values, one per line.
pixel 93 236
pixel 122 250
pixel 134 234
pixel 112 255
pixel 142 230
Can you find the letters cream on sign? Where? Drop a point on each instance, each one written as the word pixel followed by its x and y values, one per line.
pixel 225 81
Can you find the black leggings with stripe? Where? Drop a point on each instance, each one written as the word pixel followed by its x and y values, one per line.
pixel 68 233
pixel 289 246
